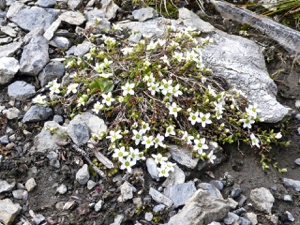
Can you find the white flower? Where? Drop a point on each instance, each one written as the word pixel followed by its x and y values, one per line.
pixel 159 159
pixel 211 91
pixel 109 41
pixel 166 86
pixel 207 40
pixel 149 79
pixel 178 56
pixel 170 166
pixel 128 89
pixel 194 117
pixel 151 46
pixel 137 136
pixel 136 155
pixel 40 99
pixel 254 140
pixel 170 131
pixel 219 109
pixel 54 87
pixel 247 122
pixel 72 88
pixel 153 87
pixel 99 68
pixel 187 138
pixel 176 90
pixel 97 107
pixel 278 135
pixel 174 109
pixel 252 110
pixel 127 164
pixel 161 42
pixel 211 157
pixel 127 50
pixel 107 63
pixel 165 60
pixel 105 75
pixel 163 171
pixel 82 100
pixel 204 119
pixel 148 141
pixel 158 141
pixel 107 99
pixel 191 56
pixel 174 44
pixel 114 135
pixel 116 27
pixel 145 127
pixel 120 153
pixel 200 145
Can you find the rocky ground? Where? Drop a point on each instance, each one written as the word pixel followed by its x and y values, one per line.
pixel 46 180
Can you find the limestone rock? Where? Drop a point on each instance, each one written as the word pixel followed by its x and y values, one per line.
pixel 83 175
pixel 5 186
pixel 109 8
pixel 160 198
pixel 73 18
pixel 34 56
pixel 202 209
pixel 53 70
pixel 262 199
pixel 20 90
pixel 152 168
pixel 30 184
pixel 8 211
pixel 9 66
pixel 127 191
pixel 37 113
pixel 176 177
pixel 47 139
pixel 295 184
pixel 183 156
pixel 11 113
pixel 180 193
pixel 144 14
pixel 9 49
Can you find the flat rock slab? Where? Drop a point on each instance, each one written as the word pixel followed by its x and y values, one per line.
pixel 37 113
pixel 9 66
pixel 20 90
pixel 9 49
pixel 262 199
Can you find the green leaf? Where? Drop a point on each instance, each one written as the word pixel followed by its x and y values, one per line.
pixel 109 87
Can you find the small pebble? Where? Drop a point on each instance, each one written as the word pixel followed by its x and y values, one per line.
pixel 287 198
pixel 62 189
pixel 290 216
pixel 148 216
pixel 98 205
pixel 30 184
pixel 91 184
pixel 235 192
pixel 297 161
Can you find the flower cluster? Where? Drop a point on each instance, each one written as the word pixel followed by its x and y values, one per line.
pixel 156 92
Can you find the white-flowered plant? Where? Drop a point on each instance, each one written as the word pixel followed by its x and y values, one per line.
pixel 158 92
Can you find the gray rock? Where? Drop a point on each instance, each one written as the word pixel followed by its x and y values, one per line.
pixel 241 200
pixel 8 211
pixel 52 155
pixel 159 208
pixel 58 119
pixel 34 56
pixel 244 221
pixel 152 168
pixel 118 220
pixel 183 156
pixel 62 189
pixel 73 18
pixel 53 70
pixel 176 177
pixel 60 42
pixel 46 3
pixel 83 48
pixel 30 184
pixel 74 4
pixel 20 90
pixel 231 218
pixel 4 140
pixel 9 66
pixel 37 113
pixel 202 209
pixel 109 8
pixel 148 216
pixel 9 49
pixel 218 184
pixel 214 223
pixel 8 30
pixel 38 219
pixel 94 14
pixel 2 4
pixel 144 14
pixel 262 199
pixel 29 18
pixel 20 194
pixel 212 190
pixel 180 193
pixel 295 184
pixel 290 216
pixel 284 35
pixel 91 184
pixel 160 198
pixel 46 140
pixel 11 113
pixel 78 132
pixel 287 198
pixel 5 186
pixel 297 161
pixel 51 29
pixel 98 205
pixel 5 40
pixel 83 175
pixel 127 191
pixel 54 163
pixel 235 192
